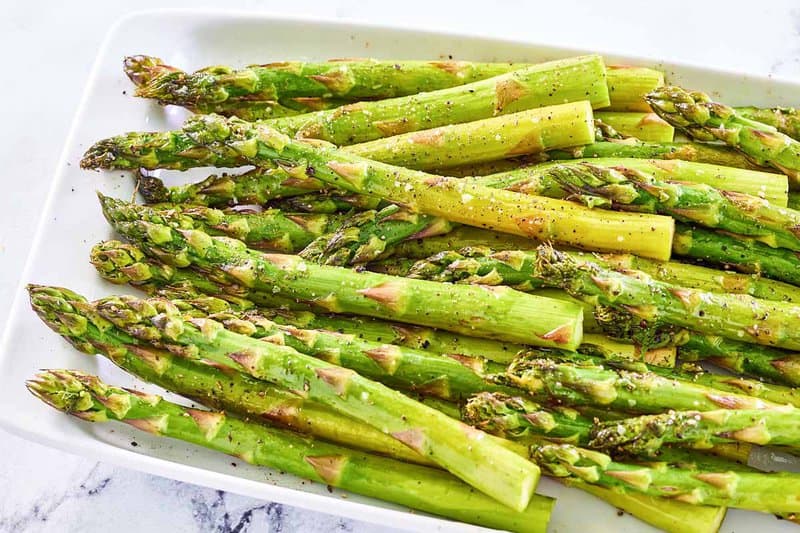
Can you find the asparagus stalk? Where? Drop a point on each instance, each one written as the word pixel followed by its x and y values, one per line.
pixel 485 465
pixel 737 317
pixel 642 126
pixel 325 239
pixel 646 434
pixel 740 253
pixel 206 384
pixel 499 314
pixel 223 87
pixel 764 362
pixel 450 198
pixel 270 229
pixel 261 91
pixel 460 237
pixel 628 189
pixel 631 148
pixel 517 417
pixel 696 114
pixel 785 119
pixel 526 132
pixel 366 236
pixel 124 263
pixel 771 187
pixel 674 272
pixel 92 400
pixel 772 493
pixel 700 277
pixel 255 187
pixel 447 377
pixel 627 86
pixel 330 203
pixel 583 382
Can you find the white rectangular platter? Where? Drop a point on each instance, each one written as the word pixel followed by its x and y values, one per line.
pixel 71 223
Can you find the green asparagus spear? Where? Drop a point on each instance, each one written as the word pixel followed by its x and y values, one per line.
pixel 646 434
pixel 487 466
pixel 500 314
pixel 326 239
pixel 737 252
pixel 329 202
pixel 447 377
pixel 785 119
pixel 535 180
pixel 738 317
pixel 292 86
pixel 631 148
pixel 255 187
pixel 642 126
pixel 365 236
pixel 574 383
pixel 515 417
pixel 770 493
pixel 763 362
pixel 450 198
pixel 629 189
pixel 526 132
pixel 627 86
pixel 696 114
pixel 63 311
pixel 124 263
pixel 219 86
pixel 92 400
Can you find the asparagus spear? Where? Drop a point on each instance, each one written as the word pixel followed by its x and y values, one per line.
pixel 674 272
pixel 642 126
pixel 325 239
pixel 696 114
pixel 424 372
pixel 500 314
pixel 516 417
pixel 365 236
pixel 307 86
pixel 785 119
pixel 92 400
pixel 632 148
pixel 737 252
pixel 629 189
pixel 646 434
pixel 255 187
pixel 487 466
pixel 206 384
pixel 771 187
pixel 627 86
pixel 451 198
pixel 737 317
pixel 763 362
pixel 526 132
pixel 771 493
pixel 548 378
pixel 124 263
pixel 219 86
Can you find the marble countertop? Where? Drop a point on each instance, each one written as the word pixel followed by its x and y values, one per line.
pixel 52 46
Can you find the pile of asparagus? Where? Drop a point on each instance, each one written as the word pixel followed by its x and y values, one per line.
pixel 435 280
